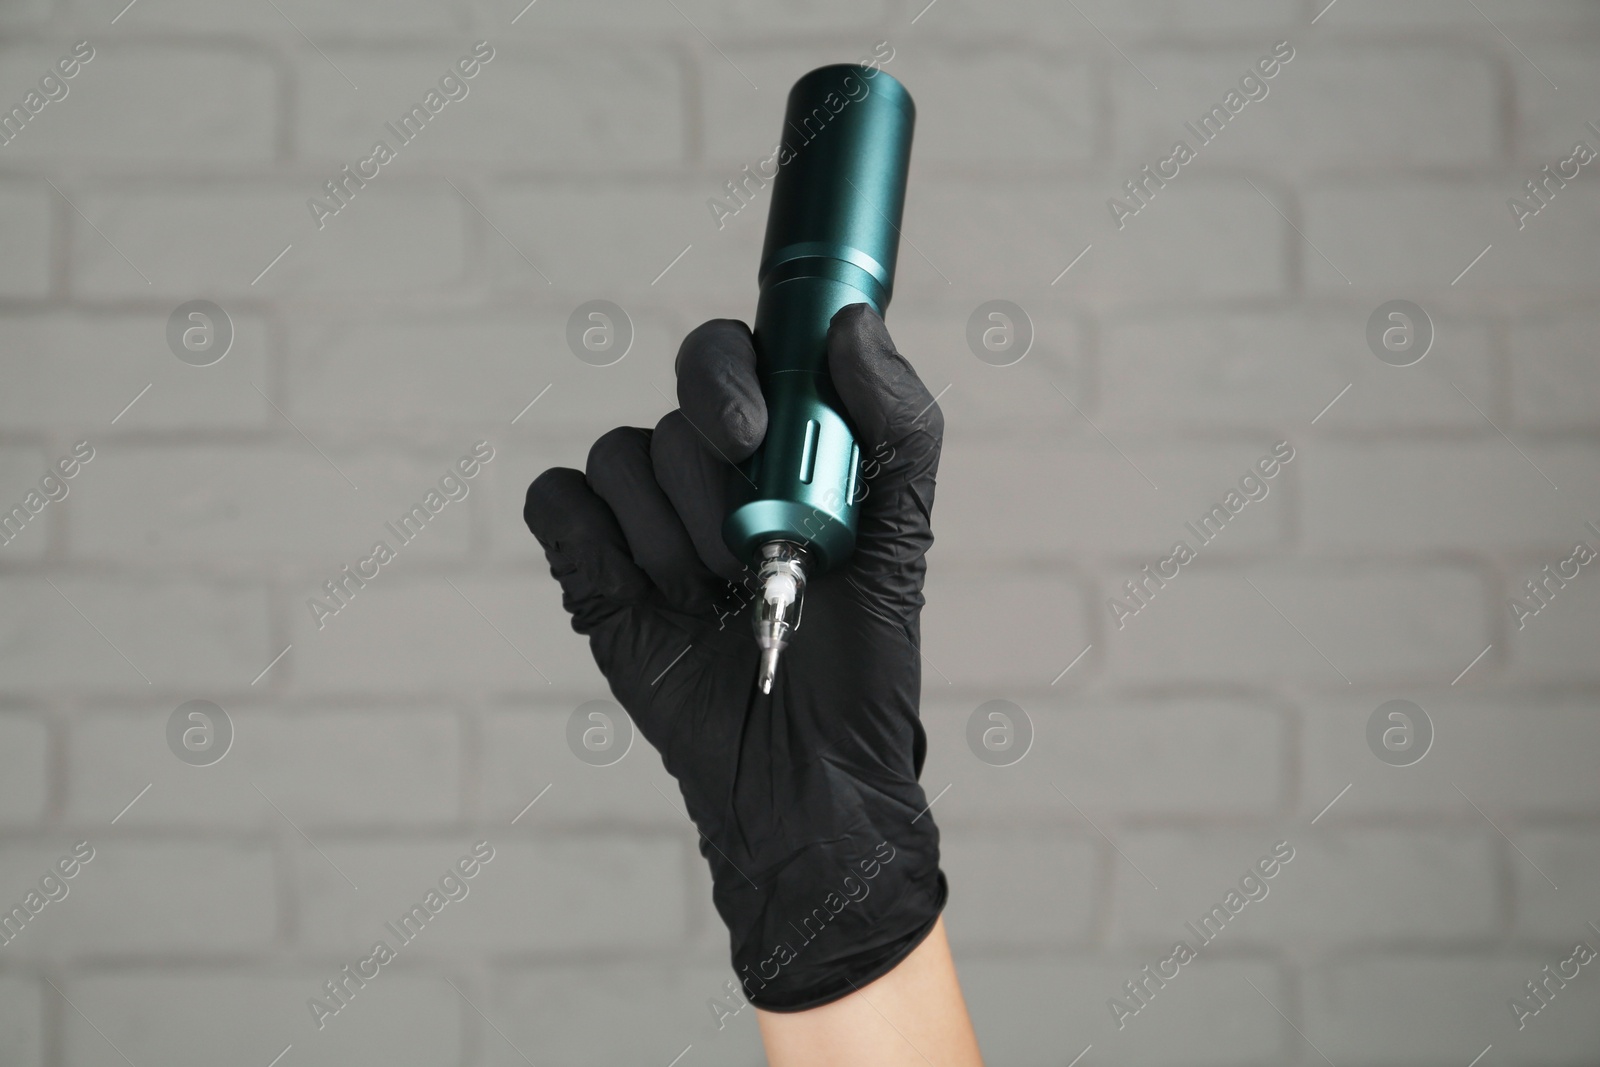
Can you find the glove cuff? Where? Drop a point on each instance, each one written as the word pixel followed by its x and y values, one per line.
pixel 836 918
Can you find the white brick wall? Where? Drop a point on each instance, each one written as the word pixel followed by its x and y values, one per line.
pixel 1220 319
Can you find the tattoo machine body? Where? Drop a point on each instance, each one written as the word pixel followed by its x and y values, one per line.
pixel 833 235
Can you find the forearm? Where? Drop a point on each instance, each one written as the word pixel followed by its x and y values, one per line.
pixel 912 1016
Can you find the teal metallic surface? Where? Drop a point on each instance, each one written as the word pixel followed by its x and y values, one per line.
pixel 833 236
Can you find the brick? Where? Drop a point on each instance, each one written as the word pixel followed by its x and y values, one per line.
pixel 1566 856
pixel 1024 501
pixel 1035 1013
pixel 1200 239
pixel 1482 496
pixel 341 375
pixel 178 633
pixel 594 893
pixel 24 769
pixel 1033 108
pixel 1510 751
pixel 203 241
pixel 89 367
pixel 189 897
pixel 1543 219
pixel 408 1020
pixel 599 110
pixel 618 241
pixel 1550 122
pixel 408 773
pixel 368 19
pixel 20 472
pixel 1413 239
pixel 26 228
pixel 551 1015
pixel 1326 895
pixel 215 106
pixel 1553 647
pixel 1040 19
pixel 719 19
pixel 389 640
pixel 269 503
pixel 1438 106
pixel 1392 1009
pixel 28 13
pixel 526 750
pixel 1375 623
pixel 996 902
pixel 1554 382
pixel 1223 371
pixel 812 16
pixel 1442 13
pixel 1114 758
pixel 980 399
pixel 21 1021
pixel 1000 629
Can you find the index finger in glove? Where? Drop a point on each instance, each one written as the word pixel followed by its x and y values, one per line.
pixel 900 430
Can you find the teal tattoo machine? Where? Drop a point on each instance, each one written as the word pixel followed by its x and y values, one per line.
pixel 833 233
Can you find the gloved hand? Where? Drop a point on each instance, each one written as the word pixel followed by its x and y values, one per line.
pixel 824 859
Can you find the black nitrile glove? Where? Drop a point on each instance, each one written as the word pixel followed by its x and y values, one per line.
pixel 824 859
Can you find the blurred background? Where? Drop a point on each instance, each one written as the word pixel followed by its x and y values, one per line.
pixel 246 848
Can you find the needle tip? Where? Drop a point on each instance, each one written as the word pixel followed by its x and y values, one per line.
pixel 769 670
